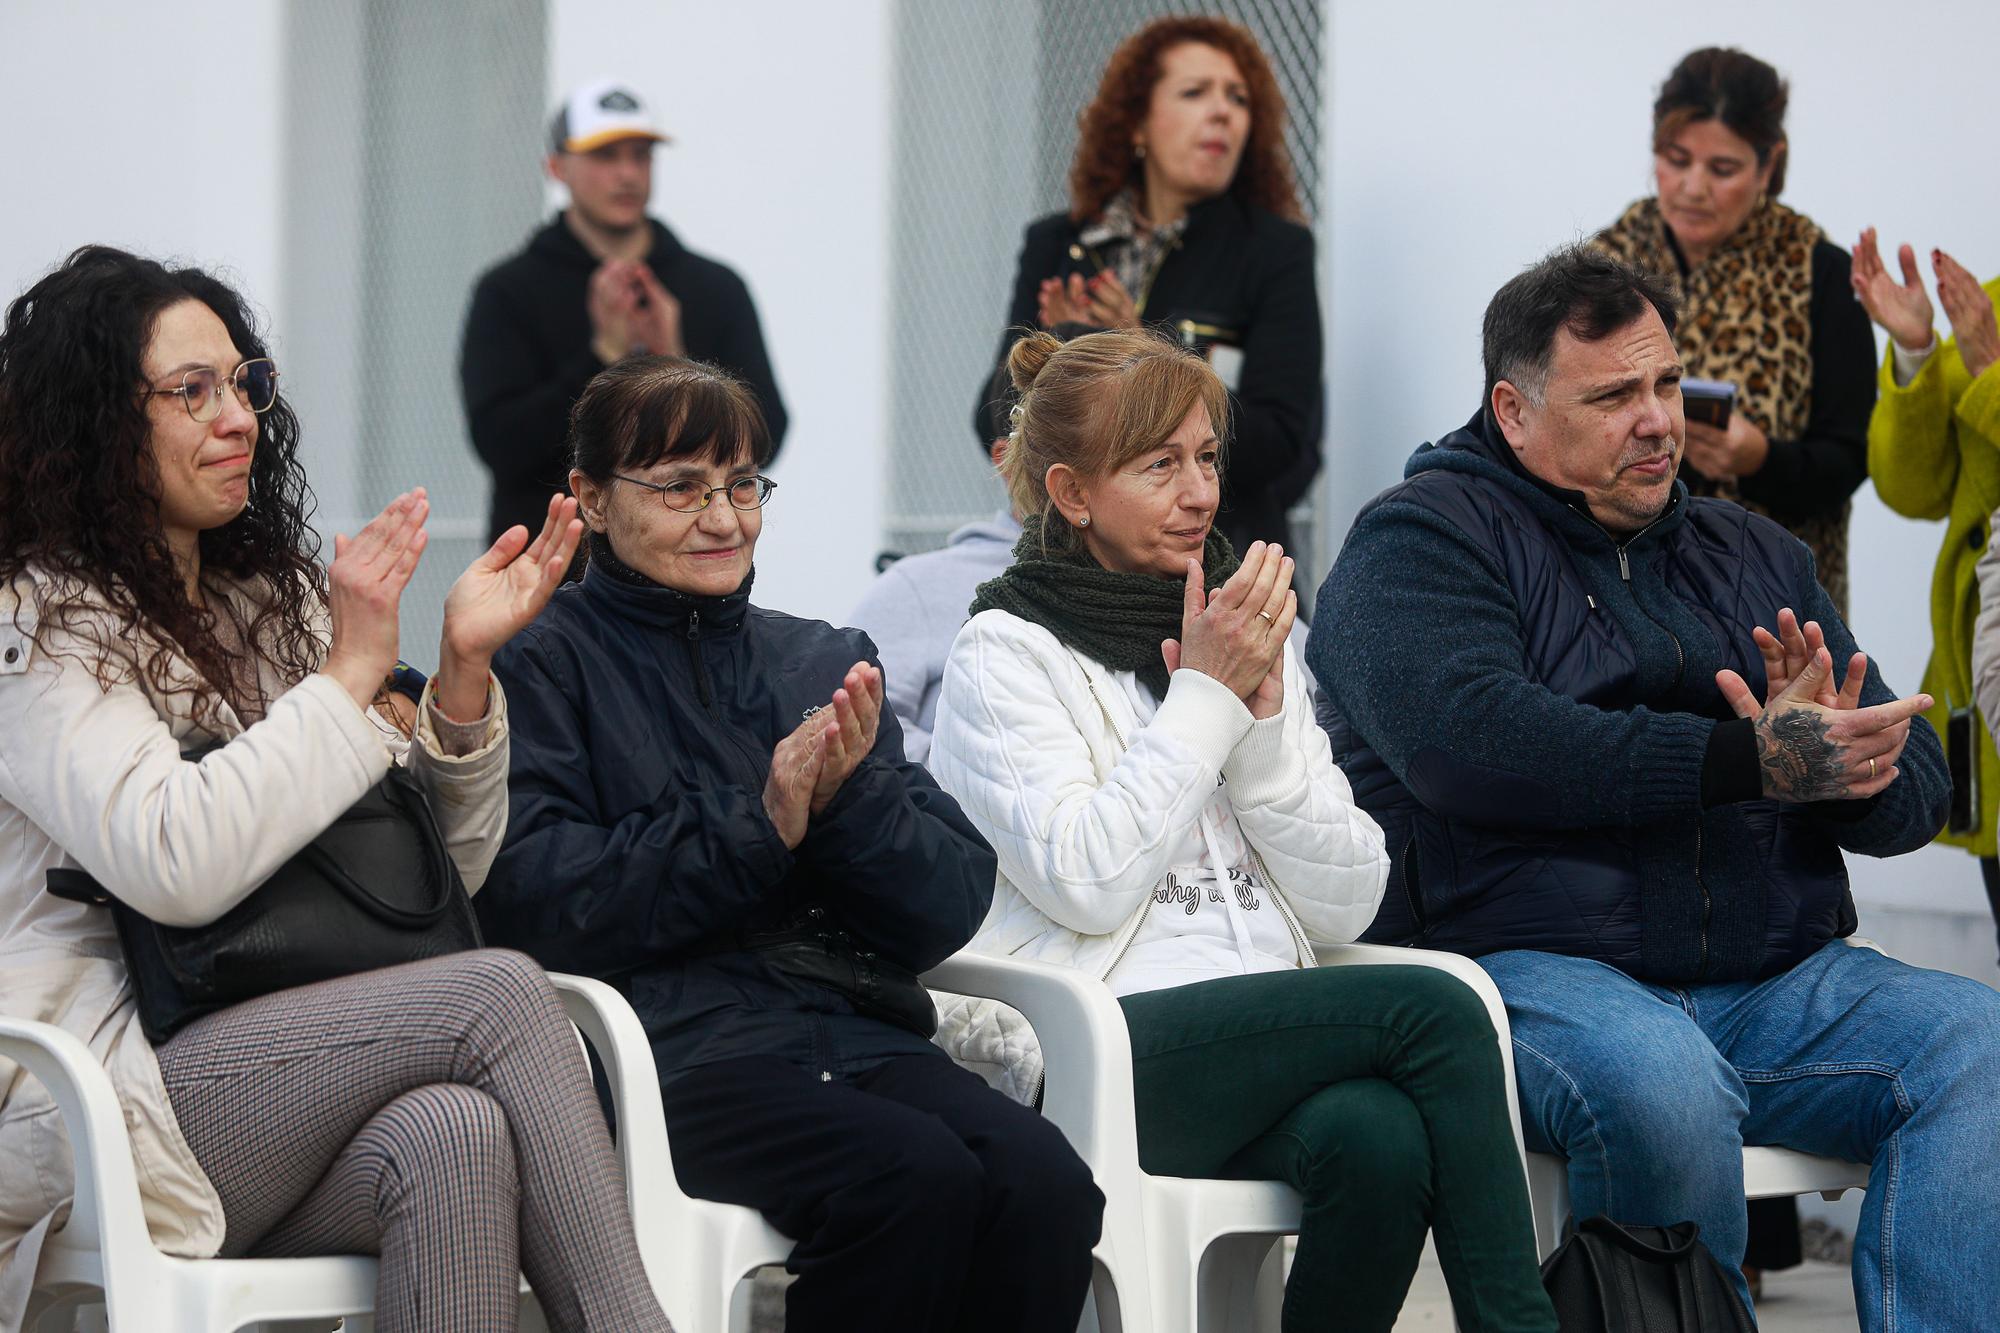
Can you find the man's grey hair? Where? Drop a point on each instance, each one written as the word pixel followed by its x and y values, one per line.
pixel 1575 288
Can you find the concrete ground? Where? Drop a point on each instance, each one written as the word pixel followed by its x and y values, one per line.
pixel 1812 1298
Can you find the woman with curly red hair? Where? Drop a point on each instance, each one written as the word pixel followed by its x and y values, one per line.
pixel 1183 216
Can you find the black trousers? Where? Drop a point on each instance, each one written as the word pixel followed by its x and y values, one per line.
pixel 922 1200
pixel 1989 870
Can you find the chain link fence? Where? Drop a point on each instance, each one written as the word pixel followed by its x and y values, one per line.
pixel 412 162
pixel 987 98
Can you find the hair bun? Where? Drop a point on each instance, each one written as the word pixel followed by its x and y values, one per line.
pixel 1028 356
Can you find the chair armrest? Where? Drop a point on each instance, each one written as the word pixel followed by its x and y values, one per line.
pixel 106 1207
pixel 624 1052
pixel 1086 1050
pixel 1472 975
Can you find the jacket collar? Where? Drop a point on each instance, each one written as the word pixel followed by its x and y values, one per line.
pixel 618 588
pixel 557 242
pixel 1478 448
pixel 1215 214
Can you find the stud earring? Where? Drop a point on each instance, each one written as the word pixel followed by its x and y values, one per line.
pixel 1083 522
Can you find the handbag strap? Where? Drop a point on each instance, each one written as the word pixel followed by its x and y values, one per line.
pixel 76 886
pixel 402 793
pixel 1674 1244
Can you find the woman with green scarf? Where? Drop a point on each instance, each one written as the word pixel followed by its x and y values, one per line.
pixel 1122 720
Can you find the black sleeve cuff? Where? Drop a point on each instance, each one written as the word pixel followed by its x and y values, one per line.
pixel 1779 478
pixel 1847 812
pixel 1729 770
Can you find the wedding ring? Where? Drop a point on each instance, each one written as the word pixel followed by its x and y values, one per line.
pixel 1265 616
pixel 1871 770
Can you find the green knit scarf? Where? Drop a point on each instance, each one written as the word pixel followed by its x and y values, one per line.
pixel 1117 619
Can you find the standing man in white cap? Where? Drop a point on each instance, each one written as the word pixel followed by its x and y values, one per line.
pixel 599 283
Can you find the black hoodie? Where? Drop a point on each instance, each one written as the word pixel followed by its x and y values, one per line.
pixel 1532 717
pixel 526 357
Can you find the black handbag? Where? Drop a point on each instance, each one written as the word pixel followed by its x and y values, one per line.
pixel 376 888
pixel 1609 1278
pixel 813 949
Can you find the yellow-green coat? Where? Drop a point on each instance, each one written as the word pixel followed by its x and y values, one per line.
pixel 1934 452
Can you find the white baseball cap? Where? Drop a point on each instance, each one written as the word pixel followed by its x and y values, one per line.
pixel 601 113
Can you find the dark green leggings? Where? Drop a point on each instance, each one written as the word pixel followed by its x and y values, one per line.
pixel 1378 1094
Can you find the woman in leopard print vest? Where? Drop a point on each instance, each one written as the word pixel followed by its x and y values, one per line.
pixel 1767 305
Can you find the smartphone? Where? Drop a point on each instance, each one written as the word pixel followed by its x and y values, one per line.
pixel 1709 401
pixel 1961 751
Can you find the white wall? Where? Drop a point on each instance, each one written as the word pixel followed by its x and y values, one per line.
pixel 779 168
pixel 1469 138
pixel 158 126
pixel 148 126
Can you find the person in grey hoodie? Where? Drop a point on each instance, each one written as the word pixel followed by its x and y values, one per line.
pixel 914 609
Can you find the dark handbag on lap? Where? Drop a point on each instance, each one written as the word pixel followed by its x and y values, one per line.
pixel 1609 1278
pixel 377 888
pixel 813 949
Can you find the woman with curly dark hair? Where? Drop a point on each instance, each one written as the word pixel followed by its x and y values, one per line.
pixel 1183 216
pixel 186 701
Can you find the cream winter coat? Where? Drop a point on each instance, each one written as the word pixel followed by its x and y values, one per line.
pixel 1088 810
pixel 93 777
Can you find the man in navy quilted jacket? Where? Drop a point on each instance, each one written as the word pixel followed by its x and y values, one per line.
pixel 1620 741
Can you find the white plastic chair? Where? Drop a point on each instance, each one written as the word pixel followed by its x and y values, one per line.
pixel 697 1252
pixel 1768 1173
pixel 1177 1255
pixel 104 1254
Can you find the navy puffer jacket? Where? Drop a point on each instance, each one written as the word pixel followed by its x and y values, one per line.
pixel 638 849
pixel 1529 710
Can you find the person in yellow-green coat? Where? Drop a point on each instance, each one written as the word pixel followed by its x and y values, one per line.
pixel 1934 452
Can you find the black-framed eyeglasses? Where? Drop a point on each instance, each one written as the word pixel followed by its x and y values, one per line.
pixel 691 497
pixel 200 391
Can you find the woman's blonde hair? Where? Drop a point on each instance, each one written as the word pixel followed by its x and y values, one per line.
pixel 1097 402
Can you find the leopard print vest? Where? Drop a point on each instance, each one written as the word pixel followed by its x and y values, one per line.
pixel 1746 316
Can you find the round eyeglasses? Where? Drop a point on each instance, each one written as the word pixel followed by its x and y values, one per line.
pixel 691 497
pixel 200 391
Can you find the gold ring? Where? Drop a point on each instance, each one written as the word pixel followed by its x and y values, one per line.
pixel 1265 616
pixel 1871 770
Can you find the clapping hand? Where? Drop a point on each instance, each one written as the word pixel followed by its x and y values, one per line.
pixel 1059 302
pixel 1111 306
pixel 612 302
pixel 1100 300
pixel 1903 308
pixel 1970 311
pixel 1811 751
pixel 494 598
pixel 655 323
pixel 850 723
pixel 1786 655
pixel 1236 634
pixel 364 592
pixel 795 768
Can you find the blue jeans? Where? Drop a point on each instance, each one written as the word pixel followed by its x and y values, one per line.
pixel 1650 1092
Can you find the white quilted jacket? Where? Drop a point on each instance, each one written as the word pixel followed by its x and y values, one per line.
pixel 1088 810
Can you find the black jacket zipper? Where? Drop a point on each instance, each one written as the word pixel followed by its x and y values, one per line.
pixel 701 689
pixel 1625 574
pixel 1680 669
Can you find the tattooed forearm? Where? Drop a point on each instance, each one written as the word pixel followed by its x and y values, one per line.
pixel 1800 761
